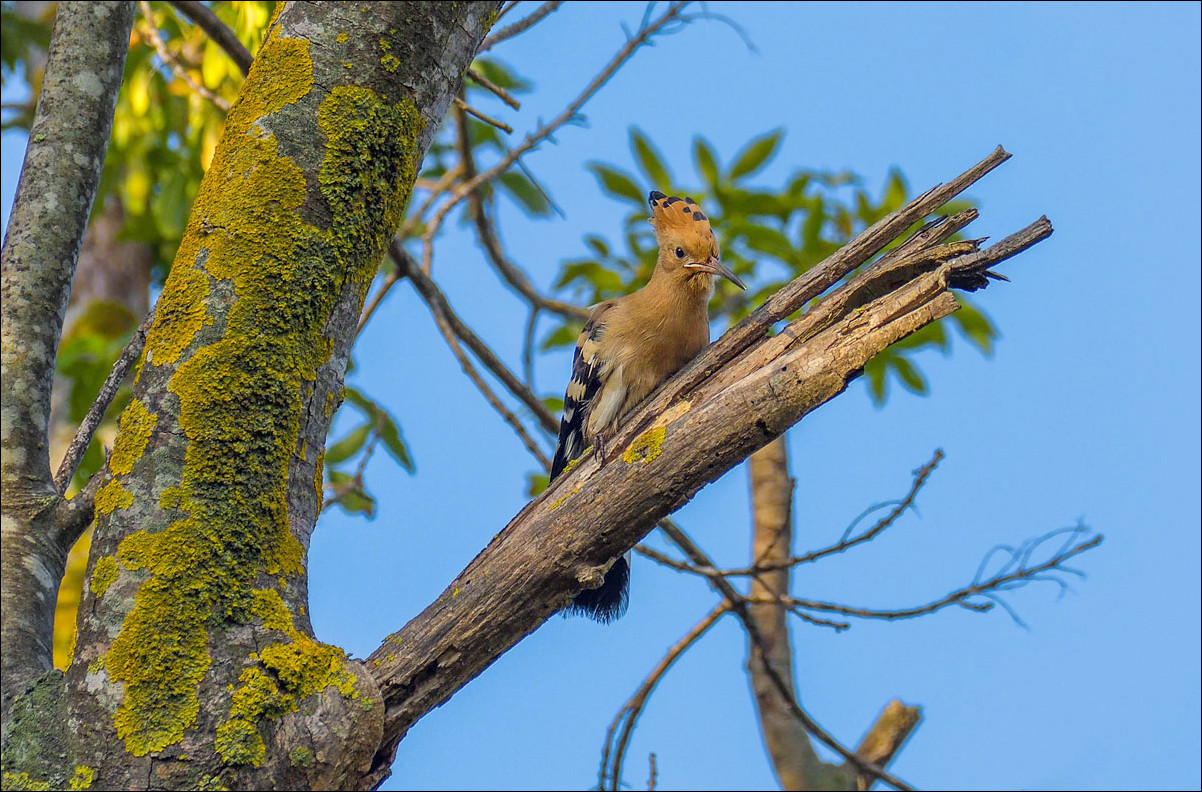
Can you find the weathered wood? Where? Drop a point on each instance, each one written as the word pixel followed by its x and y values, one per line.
pixel 711 421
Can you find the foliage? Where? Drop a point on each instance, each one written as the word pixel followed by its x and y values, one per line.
pixel 165 131
pixel 768 235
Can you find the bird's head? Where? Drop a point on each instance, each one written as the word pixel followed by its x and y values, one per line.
pixel 687 245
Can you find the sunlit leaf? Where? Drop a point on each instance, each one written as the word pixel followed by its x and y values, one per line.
pixel 650 160
pixel 616 183
pixel 348 446
pixel 527 195
pixel 755 155
pixel 706 162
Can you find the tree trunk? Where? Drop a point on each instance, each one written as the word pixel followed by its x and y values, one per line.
pixel 195 664
pixel 41 246
pixel 794 761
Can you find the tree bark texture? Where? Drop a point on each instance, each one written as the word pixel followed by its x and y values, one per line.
pixel 195 664
pixel 58 183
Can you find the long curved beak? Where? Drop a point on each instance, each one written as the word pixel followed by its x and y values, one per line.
pixel 715 267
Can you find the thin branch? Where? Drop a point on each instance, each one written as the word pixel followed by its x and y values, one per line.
pixel 569 113
pixel 528 350
pixel 487 234
pixel 489 85
pixel 437 301
pixel 467 108
pixel 614 753
pixel 217 30
pixel 87 428
pixel 518 27
pixel 738 606
pixel 156 40
pixel 920 479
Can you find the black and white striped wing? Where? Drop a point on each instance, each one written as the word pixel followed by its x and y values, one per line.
pixel 582 388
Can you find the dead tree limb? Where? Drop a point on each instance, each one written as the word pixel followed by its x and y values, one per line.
pixel 742 392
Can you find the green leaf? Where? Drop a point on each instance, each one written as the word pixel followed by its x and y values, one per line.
pixel 565 335
pixel 770 242
pixel 706 161
pixel 357 399
pixel 499 75
pixel 390 435
pixel 975 326
pixel 348 446
pixel 598 245
pixel 910 376
pixel 355 501
pixel 616 183
pixel 650 160
pixel 755 155
pixel 875 371
pixel 536 483
pixel 525 193
pixel 895 192
pixel 553 403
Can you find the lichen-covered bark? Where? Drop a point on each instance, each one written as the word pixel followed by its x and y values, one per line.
pixel 41 246
pixel 195 663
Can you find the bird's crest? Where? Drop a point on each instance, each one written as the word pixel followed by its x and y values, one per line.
pixel 679 216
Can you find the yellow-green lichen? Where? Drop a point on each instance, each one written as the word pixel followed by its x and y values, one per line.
pixel 97 665
pixel 171 498
pixel 82 779
pixel 301 757
pixel 284 674
pixel 210 783
pixel 133 434
pixel 179 314
pixel 646 447
pixel 341 38
pixel 22 781
pixel 240 402
pixel 560 502
pixel 113 496
pixel 103 576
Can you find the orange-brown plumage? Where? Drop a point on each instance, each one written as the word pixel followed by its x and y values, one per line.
pixel 631 344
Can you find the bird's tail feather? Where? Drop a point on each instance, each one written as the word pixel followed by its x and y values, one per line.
pixel 608 601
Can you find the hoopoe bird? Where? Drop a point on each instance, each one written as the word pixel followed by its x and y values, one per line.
pixel 630 345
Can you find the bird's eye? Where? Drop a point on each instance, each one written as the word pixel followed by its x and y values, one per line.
pixel 679 252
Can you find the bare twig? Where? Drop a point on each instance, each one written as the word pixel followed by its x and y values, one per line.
pixel 653 773
pixel 544 131
pixel 217 30
pixel 478 78
pixel 614 752
pixel 467 108
pixel 112 383
pixel 518 27
pixel 738 606
pixel 156 40
pixel 528 350
pixel 486 232
pixel 436 300
pixel 920 478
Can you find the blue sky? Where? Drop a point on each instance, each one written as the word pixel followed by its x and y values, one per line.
pixel 1088 410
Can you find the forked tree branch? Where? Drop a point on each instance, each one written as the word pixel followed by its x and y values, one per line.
pixel 742 392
